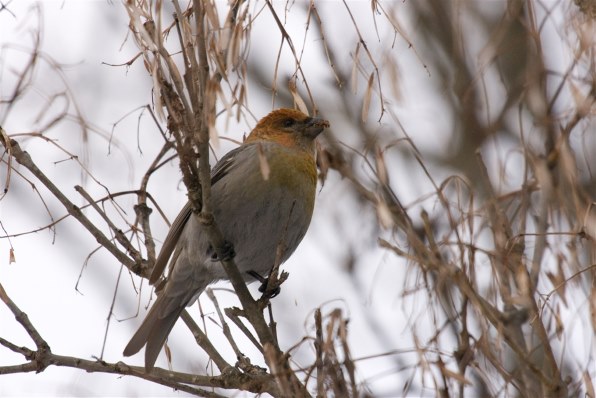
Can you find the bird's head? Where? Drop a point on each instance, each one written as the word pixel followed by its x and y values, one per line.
pixel 288 127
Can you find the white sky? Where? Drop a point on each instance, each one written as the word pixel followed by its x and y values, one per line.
pixel 81 35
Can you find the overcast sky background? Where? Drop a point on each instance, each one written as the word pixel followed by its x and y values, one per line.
pixel 83 36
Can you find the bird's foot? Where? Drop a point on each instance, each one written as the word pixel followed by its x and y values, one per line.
pixel 227 252
pixel 267 293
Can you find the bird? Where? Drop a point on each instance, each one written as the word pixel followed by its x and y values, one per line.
pixel 262 197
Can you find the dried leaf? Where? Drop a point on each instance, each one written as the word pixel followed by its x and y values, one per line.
pixel 233 59
pixel 593 308
pixel 583 102
pixel 212 16
pixel 322 162
pixel 213 136
pixel 219 59
pixel 367 97
pixel 297 99
pixel 168 355
pixel 589 385
pixel 11 256
pixel 157 99
pixel 354 76
pixel 523 282
pixel 381 167
pixel 384 214
pixel 395 79
pixel 558 279
pixel 559 328
pixel 264 164
pixel 224 99
pixel 455 375
pixel 241 100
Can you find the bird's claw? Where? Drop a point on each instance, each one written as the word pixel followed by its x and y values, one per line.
pixel 264 285
pixel 227 252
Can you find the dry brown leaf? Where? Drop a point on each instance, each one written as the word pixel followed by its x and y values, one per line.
pixel 593 308
pixel 589 385
pixel 168 354
pixel 354 76
pixel 381 167
pixel 384 214
pixel 211 14
pixel 367 97
pixel 297 99
pixel 457 376
pixel 264 164
pixel 234 59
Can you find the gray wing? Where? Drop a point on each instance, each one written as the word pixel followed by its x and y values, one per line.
pixel 170 242
pixel 221 168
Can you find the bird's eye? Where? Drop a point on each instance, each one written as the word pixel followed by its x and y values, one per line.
pixel 288 122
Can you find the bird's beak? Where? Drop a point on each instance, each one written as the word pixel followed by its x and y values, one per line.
pixel 314 126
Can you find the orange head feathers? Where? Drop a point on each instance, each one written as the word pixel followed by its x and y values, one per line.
pixel 288 127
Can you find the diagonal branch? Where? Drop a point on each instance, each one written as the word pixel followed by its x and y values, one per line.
pixel 24 159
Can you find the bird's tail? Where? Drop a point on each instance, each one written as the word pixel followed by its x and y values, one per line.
pixel 154 331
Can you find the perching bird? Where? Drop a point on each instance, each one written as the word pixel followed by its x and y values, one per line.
pixel 262 196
